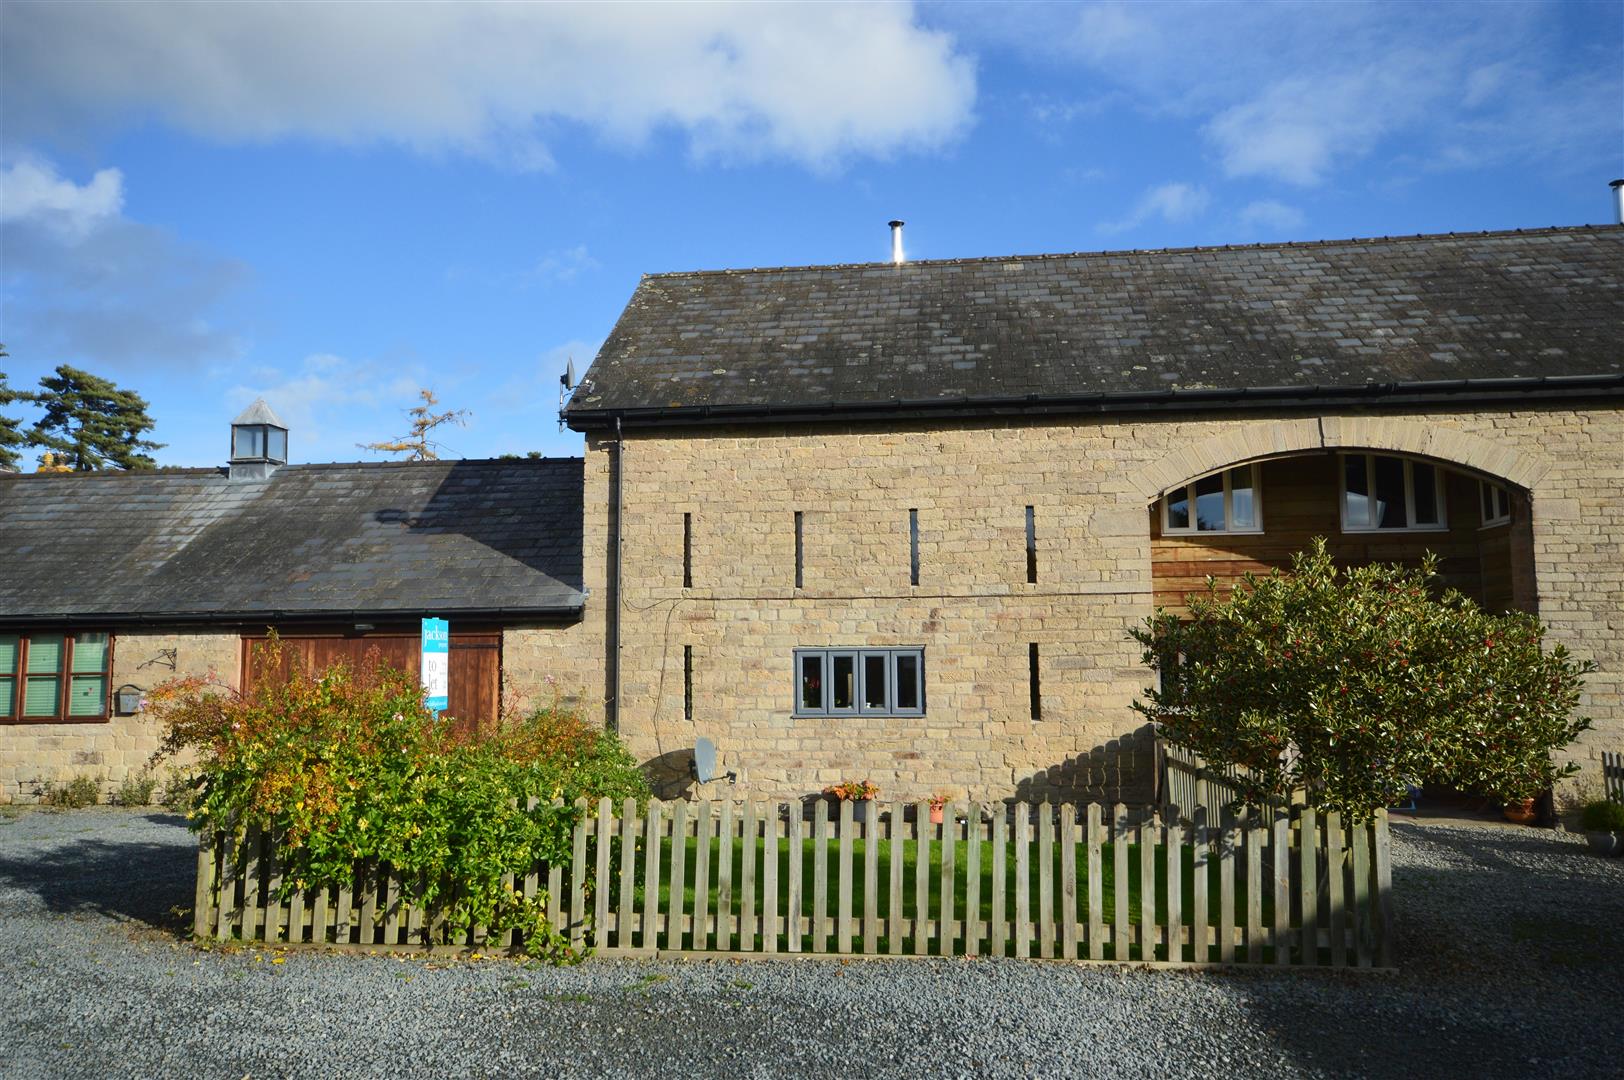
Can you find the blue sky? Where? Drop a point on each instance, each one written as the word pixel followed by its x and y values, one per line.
pixel 330 206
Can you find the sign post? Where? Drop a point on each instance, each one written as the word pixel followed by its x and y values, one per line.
pixel 436 663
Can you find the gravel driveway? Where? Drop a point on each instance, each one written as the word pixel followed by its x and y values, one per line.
pixel 1512 946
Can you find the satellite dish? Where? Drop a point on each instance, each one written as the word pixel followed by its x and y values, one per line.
pixel 704 760
pixel 568 378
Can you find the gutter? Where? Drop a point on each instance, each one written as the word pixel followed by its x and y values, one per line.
pixel 250 618
pixel 1445 391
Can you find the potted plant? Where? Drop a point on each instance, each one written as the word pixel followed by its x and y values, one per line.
pixel 857 792
pixel 937 801
pixel 1603 825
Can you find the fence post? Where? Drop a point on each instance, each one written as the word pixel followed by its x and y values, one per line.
pixel 792 914
pixel 1334 872
pixel 724 879
pixel 921 938
pixel 1000 879
pixel 896 831
pixel 1200 871
pixel 203 897
pixel 1308 883
pixel 1096 886
pixel 675 919
pixel 1149 837
pixel 1254 888
pixel 747 878
pixel 1229 843
pixel 1364 916
pixel 1120 934
pixel 1046 879
pixel 700 940
pixel 843 906
pixel 1023 880
pixel 820 876
pixel 944 924
pixel 651 878
pixel 769 880
pixel 1384 891
pixel 871 877
pixel 577 911
pixel 1068 881
pixel 1175 890
pixel 252 843
pixel 972 879
pixel 1280 847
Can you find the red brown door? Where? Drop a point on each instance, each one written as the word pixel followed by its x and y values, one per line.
pixel 476 664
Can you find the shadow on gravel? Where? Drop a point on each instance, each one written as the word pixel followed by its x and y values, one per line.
pixel 1509 950
pixel 140 880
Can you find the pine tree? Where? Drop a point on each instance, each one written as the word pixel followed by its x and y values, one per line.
pixel 11 428
pixel 92 424
pixel 416 444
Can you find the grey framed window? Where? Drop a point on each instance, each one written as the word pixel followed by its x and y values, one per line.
pixel 860 682
pixel 1496 503
pixel 1382 493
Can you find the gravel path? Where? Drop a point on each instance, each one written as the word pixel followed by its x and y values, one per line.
pixel 1512 948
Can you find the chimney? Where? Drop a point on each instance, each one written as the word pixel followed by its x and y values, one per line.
pixel 1618 201
pixel 896 242
pixel 259 443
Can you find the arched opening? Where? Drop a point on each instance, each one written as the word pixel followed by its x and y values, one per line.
pixel 1371 505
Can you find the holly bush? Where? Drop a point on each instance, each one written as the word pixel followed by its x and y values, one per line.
pixel 1349 684
pixel 347 768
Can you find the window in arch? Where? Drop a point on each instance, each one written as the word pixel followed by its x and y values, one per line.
pixel 1224 502
pixel 1381 493
pixel 1495 503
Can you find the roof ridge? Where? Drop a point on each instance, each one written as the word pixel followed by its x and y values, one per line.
pixel 1547 230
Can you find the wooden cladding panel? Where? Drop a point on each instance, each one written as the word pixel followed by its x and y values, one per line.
pixel 476 663
pixel 1301 500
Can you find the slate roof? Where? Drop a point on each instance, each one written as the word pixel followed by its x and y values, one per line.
pixel 350 539
pixel 1307 318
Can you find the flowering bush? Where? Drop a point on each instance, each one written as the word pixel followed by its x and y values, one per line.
pixel 853 790
pixel 1351 684
pixel 348 766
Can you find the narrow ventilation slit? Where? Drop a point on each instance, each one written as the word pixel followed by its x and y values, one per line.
pixel 1033 686
pixel 687 551
pixel 800 552
pixel 1031 546
pixel 687 682
pixel 913 547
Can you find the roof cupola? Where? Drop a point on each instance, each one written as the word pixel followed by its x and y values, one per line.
pixel 259 443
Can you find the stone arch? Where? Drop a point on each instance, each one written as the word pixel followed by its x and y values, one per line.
pixel 1251 439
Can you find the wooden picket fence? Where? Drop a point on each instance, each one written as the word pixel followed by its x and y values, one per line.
pixel 1188 783
pixel 1612 776
pixel 750 878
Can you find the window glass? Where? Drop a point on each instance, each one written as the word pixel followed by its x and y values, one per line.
pixel 1209 504
pixel 90 652
pixel 812 683
pixel 1242 514
pixel 1487 492
pixel 1424 479
pixel 1356 489
pixel 45 653
pixel 844 691
pixel 1178 509
pixel 874 695
pixel 87 696
pixel 1390 512
pixel 278 445
pixel 907 681
pixel 248 441
pixel 42 695
pixel 8 669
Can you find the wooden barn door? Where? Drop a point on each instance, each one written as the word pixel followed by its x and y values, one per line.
pixel 476 664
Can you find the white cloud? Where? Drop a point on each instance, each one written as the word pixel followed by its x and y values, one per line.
pixel 560 267
pixel 31 190
pixel 84 284
pixel 808 83
pixel 331 403
pixel 1295 92
pixel 1270 216
pixel 1173 203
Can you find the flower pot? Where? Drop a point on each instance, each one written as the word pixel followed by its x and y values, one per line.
pixel 1605 843
pixel 1523 812
pixel 936 815
pixel 859 809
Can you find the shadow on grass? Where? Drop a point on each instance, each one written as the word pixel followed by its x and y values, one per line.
pixel 135 880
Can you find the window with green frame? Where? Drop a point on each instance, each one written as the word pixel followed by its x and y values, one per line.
pixel 53 677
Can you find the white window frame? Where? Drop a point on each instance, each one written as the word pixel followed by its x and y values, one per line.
pixel 1229 512
pixel 1439 482
pixel 1499 497
pixel 860 706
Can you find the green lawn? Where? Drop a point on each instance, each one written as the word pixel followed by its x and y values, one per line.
pixel 909 855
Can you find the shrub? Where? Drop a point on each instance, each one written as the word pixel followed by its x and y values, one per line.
pixel 77 793
pixel 179 791
pixel 1351 684
pixel 1602 816
pixel 348 766
pixel 136 790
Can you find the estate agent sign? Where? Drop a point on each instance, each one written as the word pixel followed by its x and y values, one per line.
pixel 436 665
